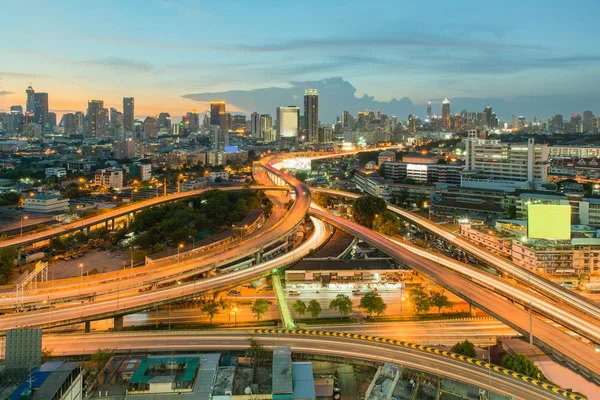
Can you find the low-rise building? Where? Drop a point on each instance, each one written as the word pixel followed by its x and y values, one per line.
pixel 56 380
pixel 44 203
pixel 140 171
pixel 221 175
pixel 110 178
pixel 59 172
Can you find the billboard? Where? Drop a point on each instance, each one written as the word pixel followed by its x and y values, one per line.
pixel 297 163
pixel 549 221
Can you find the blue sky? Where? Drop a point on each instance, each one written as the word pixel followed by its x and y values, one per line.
pixel 160 51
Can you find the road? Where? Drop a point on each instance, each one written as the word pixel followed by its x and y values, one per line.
pixel 562 345
pixel 332 346
pixel 541 284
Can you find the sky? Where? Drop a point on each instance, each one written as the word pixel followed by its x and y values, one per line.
pixel 522 57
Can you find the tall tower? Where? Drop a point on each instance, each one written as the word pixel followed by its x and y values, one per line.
pixel 487 111
pixel 40 113
pixel 128 113
pixel 446 115
pixel 30 103
pixel 94 119
pixel 255 125
pixel 311 114
pixel 217 114
pixel 287 122
pixel 428 115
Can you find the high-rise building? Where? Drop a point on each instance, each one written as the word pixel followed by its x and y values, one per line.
pixel 163 122
pixel 219 138
pixel 255 125
pixel 576 123
pixel 117 122
pixel 428 114
pixel 287 122
pixel 588 122
pixel 346 120
pixel 103 122
pixel 488 115
pixel 238 123
pixel 16 119
pixel 124 149
pixel 51 121
pixel 93 117
pixel 193 119
pixel 128 113
pixel 228 121
pixel 325 134
pixel 80 124
pixel 150 127
pixel 30 102
pixel 217 114
pixel 67 122
pixel 311 114
pixel 446 115
pixel 40 113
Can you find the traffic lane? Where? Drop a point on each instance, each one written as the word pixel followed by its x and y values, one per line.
pixel 116 306
pixel 497 305
pixel 340 347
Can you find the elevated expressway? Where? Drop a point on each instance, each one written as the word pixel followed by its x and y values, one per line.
pixel 579 355
pixel 341 346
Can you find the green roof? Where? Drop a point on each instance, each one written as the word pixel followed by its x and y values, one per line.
pixel 139 376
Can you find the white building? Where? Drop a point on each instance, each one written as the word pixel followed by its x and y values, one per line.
pixel 386 156
pixel 287 122
pixel 574 151
pixel 219 138
pixel 110 177
pixel 505 166
pixel 224 175
pixel 44 203
pixel 123 149
pixel 59 172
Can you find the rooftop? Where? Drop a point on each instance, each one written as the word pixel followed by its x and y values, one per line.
pixel 346 265
pixel 282 370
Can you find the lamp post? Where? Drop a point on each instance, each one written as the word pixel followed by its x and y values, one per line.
pixel 22 218
pixel 179 247
pixel 401 298
pixel 235 309
pixel 80 277
pixel 193 242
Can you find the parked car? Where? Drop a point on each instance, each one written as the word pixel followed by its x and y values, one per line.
pixel 234 293
pixel 293 293
pixel 357 293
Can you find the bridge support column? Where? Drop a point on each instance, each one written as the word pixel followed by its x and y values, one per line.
pixel 118 323
pixel 112 224
pixel 105 225
pixel 472 310
pixel 88 326
pixel 257 258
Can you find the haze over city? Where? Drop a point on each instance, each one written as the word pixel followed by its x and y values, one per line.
pixel 167 54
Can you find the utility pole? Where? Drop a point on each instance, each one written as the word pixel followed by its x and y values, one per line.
pixel 530 326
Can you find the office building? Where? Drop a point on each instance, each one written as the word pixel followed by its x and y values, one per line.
pixel 128 113
pixel 150 127
pixel 219 138
pixel 573 151
pixel 428 111
pixel 446 115
pixel 124 149
pixel 588 122
pixel 238 123
pixel 67 123
pixel 110 178
pixel 140 171
pixel 193 119
pixel 311 115
pixel 163 122
pixel 255 125
pixel 30 102
pixel 40 114
pixel 506 166
pixel 266 124
pixel 287 122
pixel 94 119
pixel 43 203
pixel 347 120
pixel 325 134
pixel 217 114
pixel 16 119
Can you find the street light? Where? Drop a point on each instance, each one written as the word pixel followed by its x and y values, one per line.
pixel 80 277
pixel 178 249
pixel 235 309
pixel 22 218
pixel 193 242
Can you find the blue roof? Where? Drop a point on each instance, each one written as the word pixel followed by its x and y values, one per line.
pixel 304 383
pixel 37 378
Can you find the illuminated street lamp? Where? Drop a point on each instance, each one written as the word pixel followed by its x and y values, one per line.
pixel 80 276
pixel 22 218
pixel 235 310
pixel 178 249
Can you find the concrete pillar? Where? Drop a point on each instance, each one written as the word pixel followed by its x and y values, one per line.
pixel 472 310
pixel 88 326
pixel 105 225
pixel 113 224
pixel 257 258
pixel 118 323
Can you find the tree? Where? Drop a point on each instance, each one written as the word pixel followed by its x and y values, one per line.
pixel 314 308
pixel 211 309
pixel 47 354
pixel 440 300
pixel 321 199
pixel 139 256
pixel 387 223
pixel 420 300
pixel 366 207
pixel 259 307
pixel 373 304
pixel 301 176
pixel 257 350
pixel 523 365
pixel 100 357
pixel 299 307
pixel 465 348
pixel 8 256
pixel 74 191
pixel 341 304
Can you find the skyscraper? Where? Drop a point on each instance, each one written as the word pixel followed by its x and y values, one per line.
pixel 287 122
pixel 128 113
pixel 149 127
pixel 40 113
pixel 428 114
pixel 255 125
pixel 93 117
pixel 219 138
pixel 488 116
pixel 588 122
pixel 266 125
pixel 446 115
pixel 164 122
pixel 30 102
pixel 311 114
pixel 346 120
pixel 67 122
pixel 193 120
pixel 16 119
pixel 217 114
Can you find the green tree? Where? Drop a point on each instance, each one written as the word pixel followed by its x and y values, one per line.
pixel 523 365
pixel 321 199
pixel 366 207
pixel 211 309
pixel 314 308
pixel 8 257
pixel 301 176
pixel 257 351
pixel 100 357
pixel 47 354
pixel 299 307
pixel 259 307
pixel 373 304
pixel 341 304
pixel 387 223
pixel 139 256
pixel 440 300
pixel 419 300
pixel 465 348
pixel 74 191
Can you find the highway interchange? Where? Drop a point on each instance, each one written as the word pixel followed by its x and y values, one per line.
pixel 562 344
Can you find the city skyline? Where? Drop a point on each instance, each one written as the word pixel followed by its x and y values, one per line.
pixel 170 67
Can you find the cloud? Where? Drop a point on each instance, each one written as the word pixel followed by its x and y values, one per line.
pixel 4 93
pixel 23 75
pixel 121 63
pixel 337 95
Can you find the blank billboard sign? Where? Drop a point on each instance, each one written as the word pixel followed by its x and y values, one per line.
pixel 549 221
